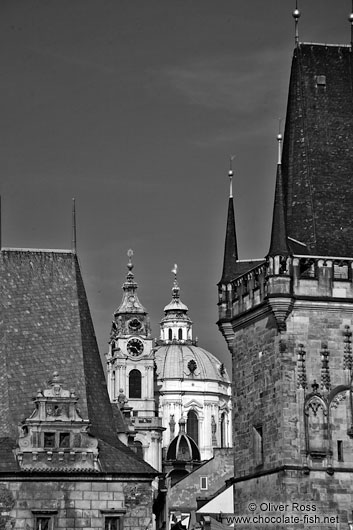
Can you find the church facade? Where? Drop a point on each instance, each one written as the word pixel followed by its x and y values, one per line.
pixel 288 318
pixel 167 383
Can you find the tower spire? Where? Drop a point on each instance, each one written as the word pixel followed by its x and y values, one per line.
pixel 279 245
pixel 296 15
pixel 230 246
pixel 74 245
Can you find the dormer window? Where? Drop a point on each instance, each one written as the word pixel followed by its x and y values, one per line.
pixel 64 439
pixel 49 440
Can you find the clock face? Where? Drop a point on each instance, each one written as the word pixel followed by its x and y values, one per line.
pixel 135 324
pixel 135 347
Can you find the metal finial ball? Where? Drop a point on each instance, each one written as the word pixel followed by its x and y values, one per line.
pixel 350 18
pixel 230 173
pixel 296 13
pixel 279 136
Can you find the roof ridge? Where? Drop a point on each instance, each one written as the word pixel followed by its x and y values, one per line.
pixel 325 44
pixel 14 249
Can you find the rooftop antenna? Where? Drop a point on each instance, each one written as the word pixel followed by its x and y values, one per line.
pixel 0 225
pixel 296 16
pixel 279 139
pixel 74 247
pixel 230 174
pixel 350 18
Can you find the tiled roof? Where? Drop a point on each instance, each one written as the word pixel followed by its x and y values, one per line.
pixel 317 159
pixel 47 327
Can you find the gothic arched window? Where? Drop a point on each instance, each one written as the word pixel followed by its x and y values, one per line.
pixel 192 426
pixel 135 384
pixel 170 334
pixel 180 333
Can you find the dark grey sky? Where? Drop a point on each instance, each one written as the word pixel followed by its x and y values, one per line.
pixel 134 107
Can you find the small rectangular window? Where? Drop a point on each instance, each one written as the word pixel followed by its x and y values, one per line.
pixel 44 520
pixel 203 483
pixel 112 523
pixel 43 523
pixel 64 439
pixel 258 445
pixel 340 450
pixel 49 439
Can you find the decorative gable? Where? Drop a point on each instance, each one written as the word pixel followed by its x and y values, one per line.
pixel 55 436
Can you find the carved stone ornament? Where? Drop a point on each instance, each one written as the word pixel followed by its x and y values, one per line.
pixel 314 404
pixel 55 435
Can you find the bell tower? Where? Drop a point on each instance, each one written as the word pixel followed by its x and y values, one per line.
pixel 130 369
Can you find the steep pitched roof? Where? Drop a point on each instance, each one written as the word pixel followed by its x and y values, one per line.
pixel 278 244
pixel 230 246
pixel 46 326
pixel 317 153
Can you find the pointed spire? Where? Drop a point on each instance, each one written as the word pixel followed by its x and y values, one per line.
pixel 230 246
pixel 279 245
pixel 130 302
pixel 296 15
pixel 176 304
pixel 74 247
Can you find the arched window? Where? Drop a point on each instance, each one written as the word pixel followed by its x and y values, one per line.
pixel 180 333
pixel 223 430
pixel 135 384
pixel 170 334
pixel 138 448
pixel 113 384
pixel 192 426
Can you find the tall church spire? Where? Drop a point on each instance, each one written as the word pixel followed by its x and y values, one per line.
pixel 230 246
pixel 279 245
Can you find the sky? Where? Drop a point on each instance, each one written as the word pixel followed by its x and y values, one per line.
pixel 134 107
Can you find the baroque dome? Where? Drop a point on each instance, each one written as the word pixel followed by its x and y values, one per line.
pixel 183 361
pixel 183 447
pixel 177 355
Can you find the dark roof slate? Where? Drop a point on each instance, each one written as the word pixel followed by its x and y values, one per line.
pixel 278 244
pixel 317 159
pixel 230 246
pixel 46 326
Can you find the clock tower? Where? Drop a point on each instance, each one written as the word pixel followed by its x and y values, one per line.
pixel 130 369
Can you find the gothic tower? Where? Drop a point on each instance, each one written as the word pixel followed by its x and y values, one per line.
pixel 288 318
pixel 130 370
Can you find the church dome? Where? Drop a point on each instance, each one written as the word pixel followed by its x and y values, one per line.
pixel 182 361
pixel 183 447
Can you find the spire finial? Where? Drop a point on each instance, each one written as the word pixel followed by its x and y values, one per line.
pixel 130 265
pixel 74 245
pixel 279 139
pixel 230 175
pixel 296 15
pixel 350 19
pixel 175 288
